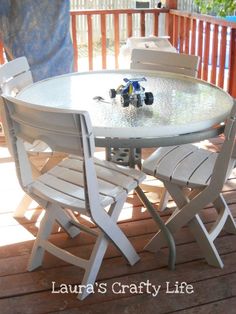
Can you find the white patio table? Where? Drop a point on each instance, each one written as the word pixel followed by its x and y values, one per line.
pixel 185 109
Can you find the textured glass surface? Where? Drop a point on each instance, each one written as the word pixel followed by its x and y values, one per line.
pixel 181 104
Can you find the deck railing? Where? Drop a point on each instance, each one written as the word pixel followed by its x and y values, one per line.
pixel 115 17
pixel 213 39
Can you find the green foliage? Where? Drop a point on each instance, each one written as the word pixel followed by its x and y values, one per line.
pixel 217 7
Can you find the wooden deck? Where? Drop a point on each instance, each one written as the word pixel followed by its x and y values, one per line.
pixel 214 290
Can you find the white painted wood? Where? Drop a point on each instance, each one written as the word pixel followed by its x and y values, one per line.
pixel 205 173
pixel 80 183
pixel 150 59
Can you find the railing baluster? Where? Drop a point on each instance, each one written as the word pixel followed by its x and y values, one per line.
pixel 214 54
pixel 129 25
pixel 142 24
pixel 206 51
pixel 90 41
pixel 232 64
pixel 222 57
pixel 155 24
pixel 181 34
pixel 169 27
pixel 116 38
pixel 193 37
pixel 187 30
pixel 176 31
pixel 104 40
pixel 200 40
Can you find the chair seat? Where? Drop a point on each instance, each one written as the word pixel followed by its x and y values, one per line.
pixel 185 165
pixel 64 183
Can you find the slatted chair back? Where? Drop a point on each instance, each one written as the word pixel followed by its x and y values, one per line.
pixel 64 131
pixel 15 75
pixel 226 158
pixel 150 59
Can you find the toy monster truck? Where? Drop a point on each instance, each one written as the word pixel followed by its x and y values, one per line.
pixel 132 93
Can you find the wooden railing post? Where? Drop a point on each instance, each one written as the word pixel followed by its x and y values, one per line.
pixel 232 64
pixel 74 41
pixel 103 40
pixel 169 24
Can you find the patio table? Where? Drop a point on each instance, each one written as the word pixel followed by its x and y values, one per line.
pixel 185 109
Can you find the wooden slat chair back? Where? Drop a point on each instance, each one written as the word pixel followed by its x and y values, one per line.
pixel 149 59
pixel 78 183
pixel 204 173
pixel 14 76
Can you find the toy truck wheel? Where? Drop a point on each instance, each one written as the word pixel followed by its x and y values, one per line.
pixel 112 93
pixel 149 98
pixel 124 99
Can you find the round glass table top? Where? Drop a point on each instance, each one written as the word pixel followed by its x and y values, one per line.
pixel 181 104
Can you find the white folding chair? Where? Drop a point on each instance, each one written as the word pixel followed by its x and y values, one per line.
pixel 149 59
pixel 194 178
pixel 79 183
pixel 14 76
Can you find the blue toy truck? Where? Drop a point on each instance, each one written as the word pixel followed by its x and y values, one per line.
pixel 132 93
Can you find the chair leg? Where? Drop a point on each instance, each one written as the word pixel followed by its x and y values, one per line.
pixel 94 264
pixel 22 207
pixel 64 220
pixel 164 200
pixel 180 199
pixel 168 236
pixel 205 242
pixel 221 205
pixel 109 226
pixel 117 238
pixel 44 232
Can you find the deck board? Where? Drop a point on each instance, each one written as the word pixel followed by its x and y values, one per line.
pixel 31 292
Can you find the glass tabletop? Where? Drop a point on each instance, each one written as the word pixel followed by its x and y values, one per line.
pixel 181 104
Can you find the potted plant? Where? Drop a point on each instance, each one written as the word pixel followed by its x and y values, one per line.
pixel 220 8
